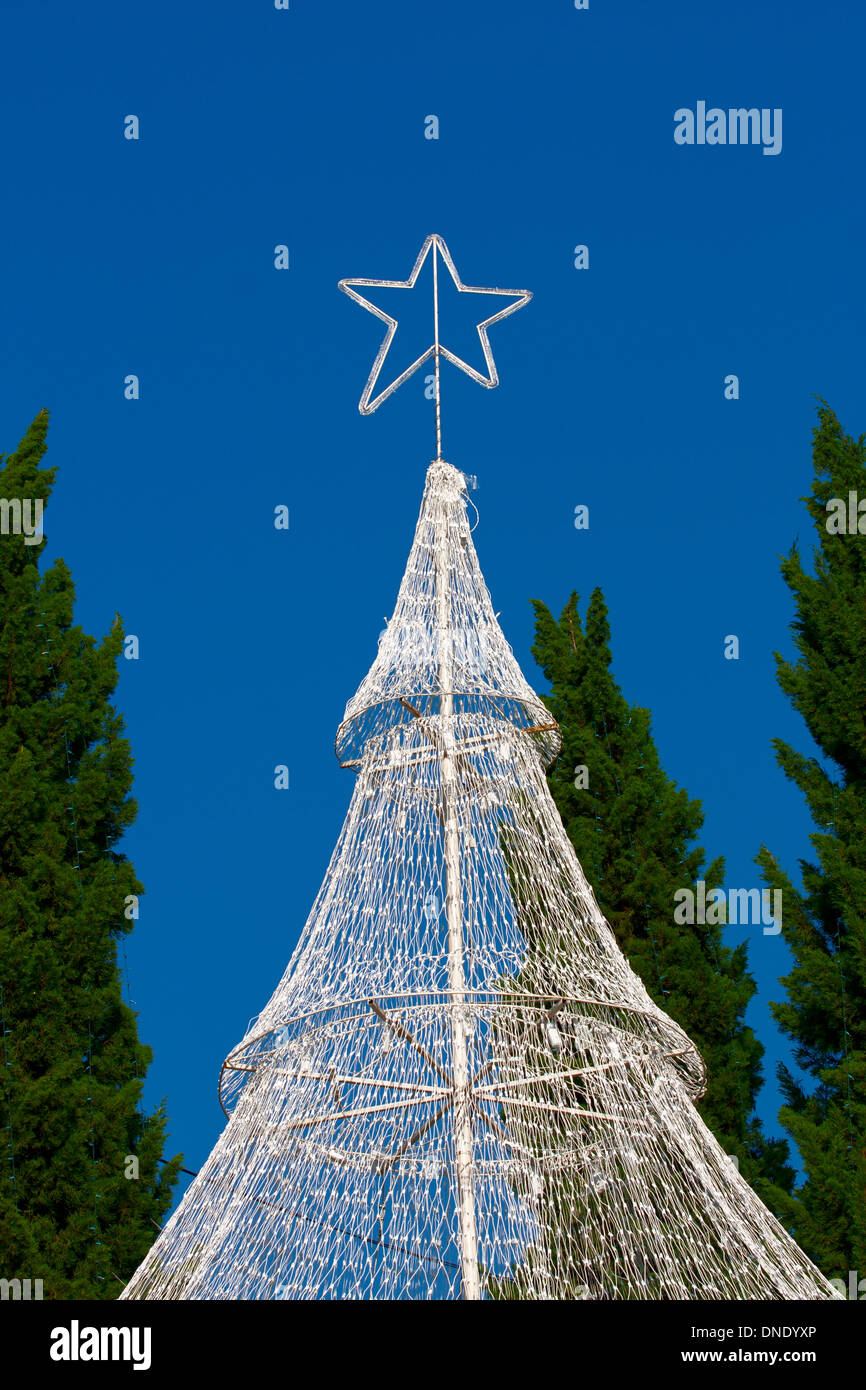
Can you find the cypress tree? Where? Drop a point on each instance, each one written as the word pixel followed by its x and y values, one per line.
pixel 824 918
pixel 635 833
pixel 80 1194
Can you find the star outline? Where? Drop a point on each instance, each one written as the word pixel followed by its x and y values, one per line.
pixel 349 286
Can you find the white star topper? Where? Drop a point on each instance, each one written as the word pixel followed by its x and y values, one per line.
pixel 520 297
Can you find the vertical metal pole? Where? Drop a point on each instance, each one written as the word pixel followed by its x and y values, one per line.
pixel 436 347
pixel 464 1145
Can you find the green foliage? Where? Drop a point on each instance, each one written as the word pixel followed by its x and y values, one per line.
pixel 824 919
pixel 635 834
pixel 73 1066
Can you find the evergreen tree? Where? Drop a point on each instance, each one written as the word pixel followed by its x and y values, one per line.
pixel 824 921
pixel 72 1210
pixel 634 831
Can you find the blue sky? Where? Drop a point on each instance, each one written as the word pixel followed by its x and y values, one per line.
pixel 306 127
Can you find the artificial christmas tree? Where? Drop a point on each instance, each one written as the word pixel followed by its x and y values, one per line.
pixel 460 1088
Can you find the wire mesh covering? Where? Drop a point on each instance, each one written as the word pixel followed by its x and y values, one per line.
pixel 460 1088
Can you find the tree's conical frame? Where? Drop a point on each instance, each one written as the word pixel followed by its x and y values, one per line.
pixel 460 1088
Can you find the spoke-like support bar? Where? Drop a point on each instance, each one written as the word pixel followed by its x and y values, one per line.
pixel 403 1032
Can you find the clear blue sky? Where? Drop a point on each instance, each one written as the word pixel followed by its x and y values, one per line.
pixel 306 127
